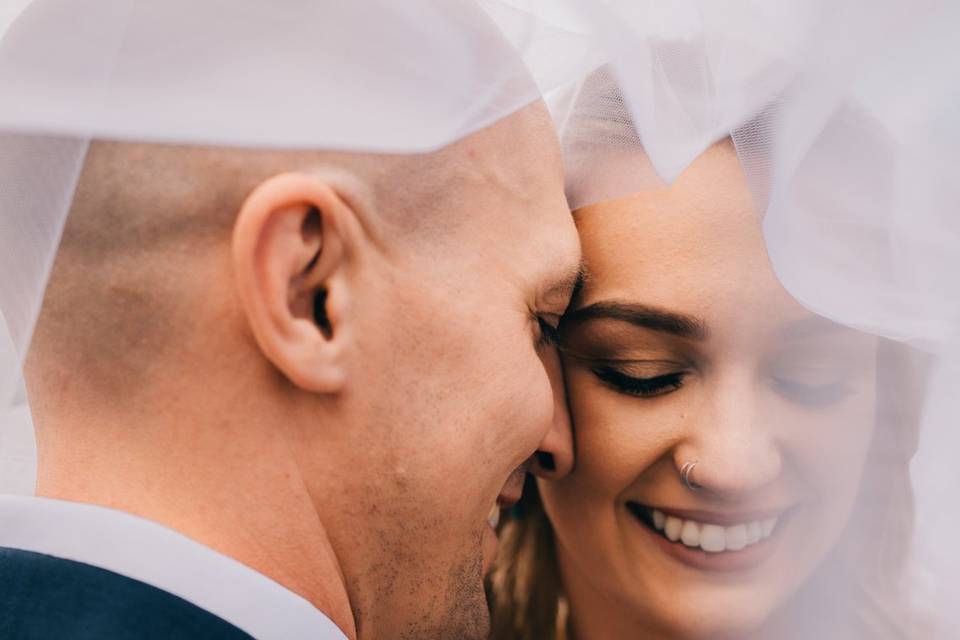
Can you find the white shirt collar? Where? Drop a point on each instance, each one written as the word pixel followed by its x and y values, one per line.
pixel 161 557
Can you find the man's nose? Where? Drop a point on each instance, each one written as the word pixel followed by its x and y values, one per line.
pixel 732 439
pixel 554 457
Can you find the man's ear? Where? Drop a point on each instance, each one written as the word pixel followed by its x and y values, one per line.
pixel 290 243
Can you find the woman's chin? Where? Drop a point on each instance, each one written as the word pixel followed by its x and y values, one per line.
pixel 714 610
pixel 737 621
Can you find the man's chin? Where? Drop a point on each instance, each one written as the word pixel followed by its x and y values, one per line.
pixel 468 616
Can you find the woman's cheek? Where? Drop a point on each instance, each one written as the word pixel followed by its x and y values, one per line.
pixel 581 502
pixel 616 439
pixel 829 449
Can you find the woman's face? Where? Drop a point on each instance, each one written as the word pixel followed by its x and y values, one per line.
pixel 683 347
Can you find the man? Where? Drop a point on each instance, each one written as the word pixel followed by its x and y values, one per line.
pixel 276 389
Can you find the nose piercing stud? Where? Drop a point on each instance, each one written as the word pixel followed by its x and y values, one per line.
pixel 686 475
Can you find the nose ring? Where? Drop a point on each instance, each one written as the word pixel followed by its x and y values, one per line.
pixel 686 475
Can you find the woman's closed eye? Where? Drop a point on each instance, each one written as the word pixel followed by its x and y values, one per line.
pixel 817 380
pixel 818 394
pixel 643 387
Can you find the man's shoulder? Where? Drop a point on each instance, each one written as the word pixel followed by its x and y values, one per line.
pixel 131 568
pixel 43 596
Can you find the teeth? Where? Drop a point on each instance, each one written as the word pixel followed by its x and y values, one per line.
pixel 712 538
pixel 672 527
pixel 768 526
pixel 736 537
pixel 494 517
pixel 690 534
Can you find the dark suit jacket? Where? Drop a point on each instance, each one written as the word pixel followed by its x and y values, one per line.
pixel 47 598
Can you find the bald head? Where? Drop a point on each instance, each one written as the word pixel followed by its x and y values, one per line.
pixel 324 339
pixel 149 230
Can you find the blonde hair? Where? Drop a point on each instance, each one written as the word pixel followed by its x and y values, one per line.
pixel 524 588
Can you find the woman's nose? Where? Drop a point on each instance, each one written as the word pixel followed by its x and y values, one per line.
pixel 732 440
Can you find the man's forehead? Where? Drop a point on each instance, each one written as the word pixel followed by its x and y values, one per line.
pixel 521 152
pixel 558 266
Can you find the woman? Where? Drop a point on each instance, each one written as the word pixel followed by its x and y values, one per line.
pixel 738 473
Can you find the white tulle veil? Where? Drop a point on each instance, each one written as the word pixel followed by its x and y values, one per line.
pixel 844 116
pixel 375 77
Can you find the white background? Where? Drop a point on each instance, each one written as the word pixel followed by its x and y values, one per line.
pixel 17 451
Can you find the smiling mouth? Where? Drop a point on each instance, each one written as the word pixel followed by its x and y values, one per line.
pixel 509 495
pixel 711 538
pixel 493 518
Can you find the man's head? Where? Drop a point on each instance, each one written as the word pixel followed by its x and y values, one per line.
pixel 357 334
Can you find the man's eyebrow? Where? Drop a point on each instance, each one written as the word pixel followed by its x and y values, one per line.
pixel 641 315
pixel 568 285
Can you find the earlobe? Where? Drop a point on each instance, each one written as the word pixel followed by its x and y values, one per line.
pixel 289 254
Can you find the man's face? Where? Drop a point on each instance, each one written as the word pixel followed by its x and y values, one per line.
pixel 456 386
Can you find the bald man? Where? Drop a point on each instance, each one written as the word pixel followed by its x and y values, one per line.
pixel 279 394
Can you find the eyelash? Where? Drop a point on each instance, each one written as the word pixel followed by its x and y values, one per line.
pixel 640 387
pixel 820 395
pixel 549 335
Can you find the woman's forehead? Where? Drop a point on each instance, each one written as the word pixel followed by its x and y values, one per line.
pixel 719 276
pixel 654 240
pixel 708 206
pixel 694 248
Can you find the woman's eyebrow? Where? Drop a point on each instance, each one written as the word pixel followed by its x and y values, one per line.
pixel 641 315
pixel 814 326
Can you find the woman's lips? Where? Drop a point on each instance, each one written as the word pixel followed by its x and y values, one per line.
pixel 723 518
pixel 713 542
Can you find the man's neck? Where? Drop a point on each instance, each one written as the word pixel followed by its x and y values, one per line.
pixel 242 499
